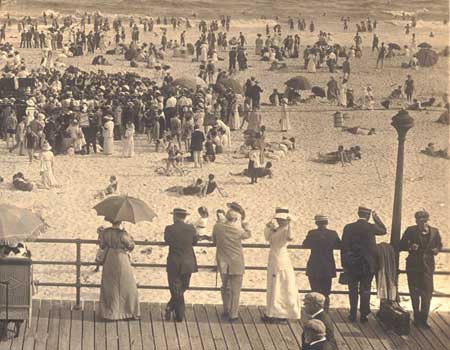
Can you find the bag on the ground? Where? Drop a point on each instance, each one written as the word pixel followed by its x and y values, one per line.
pixel 394 317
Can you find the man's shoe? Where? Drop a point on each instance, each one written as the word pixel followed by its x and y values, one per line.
pixel 352 318
pixel 425 325
pixel 363 319
pixel 225 315
pixel 233 319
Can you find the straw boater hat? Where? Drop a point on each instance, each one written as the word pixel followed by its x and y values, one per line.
pixel 180 211
pixel 320 218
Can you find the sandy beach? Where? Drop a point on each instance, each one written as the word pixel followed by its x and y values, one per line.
pixel 306 187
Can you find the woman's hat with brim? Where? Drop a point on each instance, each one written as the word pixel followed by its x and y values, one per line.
pixel 180 211
pixel 282 213
pixel 46 147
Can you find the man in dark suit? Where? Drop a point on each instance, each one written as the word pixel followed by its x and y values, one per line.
pixel 314 334
pixel 359 259
pixel 313 309
pixel 423 242
pixel 321 267
pixel 181 261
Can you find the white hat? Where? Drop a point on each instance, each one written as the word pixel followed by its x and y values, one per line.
pixel 282 213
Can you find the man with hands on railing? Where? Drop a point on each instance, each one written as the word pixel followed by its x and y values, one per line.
pixel 423 242
pixel 228 236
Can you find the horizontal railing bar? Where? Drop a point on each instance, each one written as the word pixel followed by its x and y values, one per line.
pixel 163 244
pixel 208 289
pixel 253 268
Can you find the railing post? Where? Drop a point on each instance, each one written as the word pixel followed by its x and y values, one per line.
pixel 78 277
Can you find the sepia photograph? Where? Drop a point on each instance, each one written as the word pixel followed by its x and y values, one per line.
pixel 203 174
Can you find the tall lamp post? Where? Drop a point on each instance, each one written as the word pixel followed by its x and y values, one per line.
pixel 402 122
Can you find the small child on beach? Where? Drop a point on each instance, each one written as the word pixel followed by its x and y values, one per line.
pixel 112 188
pixel 202 224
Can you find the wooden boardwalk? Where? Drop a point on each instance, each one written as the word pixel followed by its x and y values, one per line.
pixel 56 325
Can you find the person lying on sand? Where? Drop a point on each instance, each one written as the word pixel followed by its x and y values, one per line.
pixel 342 156
pixel 397 93
pixel 197 188
pixel 265 171
pixel 110 189
pixel 359 130
pixel 430 150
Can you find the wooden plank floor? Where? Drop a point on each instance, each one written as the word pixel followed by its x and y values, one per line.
pixel 58 325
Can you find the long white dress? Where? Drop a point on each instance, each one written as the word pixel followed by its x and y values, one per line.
pixel 343 95
pixel 128 142
pixel 311 68
pixel 46 169
pixel 108 138
pixel 282 293
pixel 284 120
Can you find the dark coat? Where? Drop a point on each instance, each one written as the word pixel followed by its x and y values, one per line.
pixel 325 345
pixel 197 139
pixel 321 261
pixel 181 238
pixel 326 319
pixel 422 259
pixel 358 240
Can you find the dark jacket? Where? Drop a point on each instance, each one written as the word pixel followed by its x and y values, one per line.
pixel 422 259
pixel 358 242
pixel 181 237
pixel 321 261
pixel 324 345
pixel 325 318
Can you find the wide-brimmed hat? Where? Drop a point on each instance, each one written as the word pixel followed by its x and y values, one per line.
pixel 46 147
pixel 180 211
pixel 236 207
pixel 282 213
pixel 315 298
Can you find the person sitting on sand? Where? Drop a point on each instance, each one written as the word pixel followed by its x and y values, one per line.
pixel 397 93
pixel 16 250
pixel 265 171
pixel 202 223
pixel 210 186
pixel 359 130
pixel 112 188
pixel 430 150
pixel 21 183
pixel 174 156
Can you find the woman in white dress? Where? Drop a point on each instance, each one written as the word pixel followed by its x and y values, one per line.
pixel 128 140
pixel 284 120
pixel 47 167
pixel 311 68
pixel 282 293
pixel 108 136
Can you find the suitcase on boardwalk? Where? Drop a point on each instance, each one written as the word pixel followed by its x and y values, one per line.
pixel 394 317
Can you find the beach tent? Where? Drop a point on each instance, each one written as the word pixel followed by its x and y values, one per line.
pixel 427 57
pixel 299 83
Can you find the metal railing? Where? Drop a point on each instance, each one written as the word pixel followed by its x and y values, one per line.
pixel 78 263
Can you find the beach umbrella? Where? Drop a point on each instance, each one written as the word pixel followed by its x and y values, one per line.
pixel 299 83
pixel 189 83
pixel 424 45
pixel 18 224
pixel 232 84
pixel 124 208
pixel 318 91
pixel 427 57
pixel 394 46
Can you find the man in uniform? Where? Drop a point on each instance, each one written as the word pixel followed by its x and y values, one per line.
pixel 181 261
pixel 359 259
pixel 423 242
